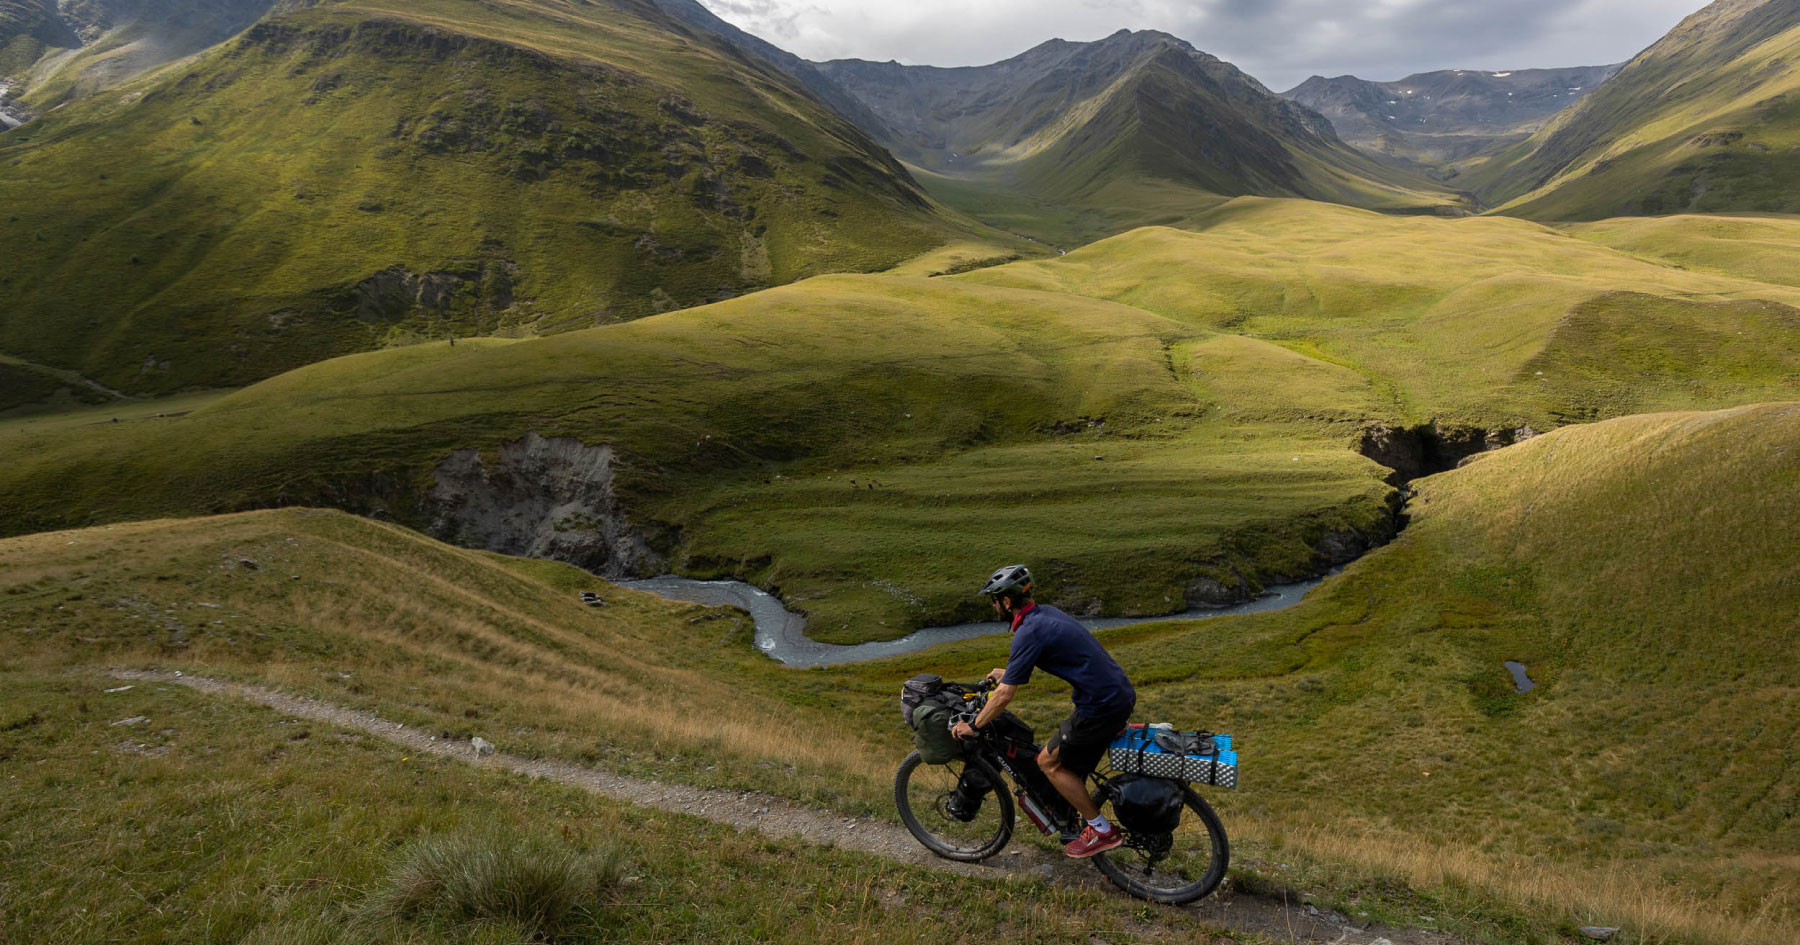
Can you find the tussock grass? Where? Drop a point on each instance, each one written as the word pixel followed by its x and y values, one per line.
pixel 546 887
pixel 224 822
pixel 1619 893
pixel 460 642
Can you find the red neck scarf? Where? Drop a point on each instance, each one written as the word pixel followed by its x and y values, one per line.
pixel 1019 617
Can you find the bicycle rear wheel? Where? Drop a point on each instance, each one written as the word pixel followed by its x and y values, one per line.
pixel 960 811
pixel 1175 868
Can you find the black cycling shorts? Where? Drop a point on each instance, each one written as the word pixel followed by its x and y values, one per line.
pixel 1080 741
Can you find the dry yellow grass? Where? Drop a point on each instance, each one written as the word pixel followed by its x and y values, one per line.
pixel 1621 893
pixel 370 614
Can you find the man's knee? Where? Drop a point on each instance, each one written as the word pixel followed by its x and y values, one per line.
pixel 1049 759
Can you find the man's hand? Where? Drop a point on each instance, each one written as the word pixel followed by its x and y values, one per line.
pixel 962 730
pixel 999 673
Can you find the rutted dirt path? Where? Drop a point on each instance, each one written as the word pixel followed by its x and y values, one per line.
pixel 778 817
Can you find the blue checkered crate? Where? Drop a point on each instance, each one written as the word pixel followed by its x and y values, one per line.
pixel 1213 763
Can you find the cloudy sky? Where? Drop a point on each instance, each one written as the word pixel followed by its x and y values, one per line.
pixel 1280 42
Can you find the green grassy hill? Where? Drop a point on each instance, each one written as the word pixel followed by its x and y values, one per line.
pixel 863 443
pixel 348 175
pixel 1054 142
pixel 1643 571
pixel 1487 321
pixel 1157 414
pixel 1630 565
pixel 1703 121
pixel 217 820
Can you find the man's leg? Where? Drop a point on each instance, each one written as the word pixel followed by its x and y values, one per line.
pixel 1070 785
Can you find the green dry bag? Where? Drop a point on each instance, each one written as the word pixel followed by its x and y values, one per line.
pixel 932 734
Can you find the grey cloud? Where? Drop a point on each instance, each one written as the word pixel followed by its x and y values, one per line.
pixel 1279 41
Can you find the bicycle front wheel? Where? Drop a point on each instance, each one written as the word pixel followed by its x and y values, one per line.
pixel 1175 868
pixel 960 811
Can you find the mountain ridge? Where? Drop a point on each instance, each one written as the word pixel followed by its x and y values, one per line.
pixel 456 174
pixel 1704 120
pixel 1441 119
pixel 1063 122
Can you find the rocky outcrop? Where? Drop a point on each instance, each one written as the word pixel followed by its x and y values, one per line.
pixel 1431 448
pixel 1224 584
pixel 540 498
pixel 396 293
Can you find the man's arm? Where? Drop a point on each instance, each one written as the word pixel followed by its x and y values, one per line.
pixel 996 704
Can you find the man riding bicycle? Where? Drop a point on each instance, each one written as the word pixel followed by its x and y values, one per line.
pixel 1048 639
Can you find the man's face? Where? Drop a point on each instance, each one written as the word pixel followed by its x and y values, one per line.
pixel 1000 607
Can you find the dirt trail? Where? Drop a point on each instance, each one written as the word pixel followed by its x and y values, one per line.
pixel 777 817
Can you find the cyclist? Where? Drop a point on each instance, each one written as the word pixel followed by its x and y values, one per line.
pixel 1048 639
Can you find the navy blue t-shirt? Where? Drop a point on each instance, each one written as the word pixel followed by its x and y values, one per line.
pixel 1051 640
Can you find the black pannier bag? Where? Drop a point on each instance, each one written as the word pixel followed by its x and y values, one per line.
pixel 1150 805
pixel 965 802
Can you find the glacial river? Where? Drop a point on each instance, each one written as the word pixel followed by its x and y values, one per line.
pixel 781 633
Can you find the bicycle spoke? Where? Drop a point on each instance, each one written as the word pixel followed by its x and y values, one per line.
pixel 956 810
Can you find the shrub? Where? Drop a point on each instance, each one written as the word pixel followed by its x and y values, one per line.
pixel 548 887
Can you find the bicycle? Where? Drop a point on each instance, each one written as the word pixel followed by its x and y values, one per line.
pixel 965 811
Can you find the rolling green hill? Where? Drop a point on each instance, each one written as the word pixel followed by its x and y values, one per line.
pixel 863 443
pixel 348 175
pixel 1648 781
pixel 1703 121
pixel 1162 413
pixel 1055 140
pixel 1488 321
pixel 1642 570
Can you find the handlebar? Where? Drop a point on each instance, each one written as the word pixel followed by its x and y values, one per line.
pixel 974 699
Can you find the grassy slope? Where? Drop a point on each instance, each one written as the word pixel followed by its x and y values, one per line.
pixel 554 164
pixel 1643 570
pixel 219 821
pixel 1704 121
pixel 28 28
pixel 1379 728
pixel 978 410
pixel 1754 246
pixel 104 43
pixel 1452 318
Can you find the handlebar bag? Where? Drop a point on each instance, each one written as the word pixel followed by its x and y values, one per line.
pixel 915 692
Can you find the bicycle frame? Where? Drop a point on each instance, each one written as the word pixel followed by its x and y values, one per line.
pixel 1019 763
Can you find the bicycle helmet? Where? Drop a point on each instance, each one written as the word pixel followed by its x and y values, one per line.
pixel 1008 581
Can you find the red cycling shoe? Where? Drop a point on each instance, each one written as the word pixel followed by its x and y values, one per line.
pixel 1093 841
